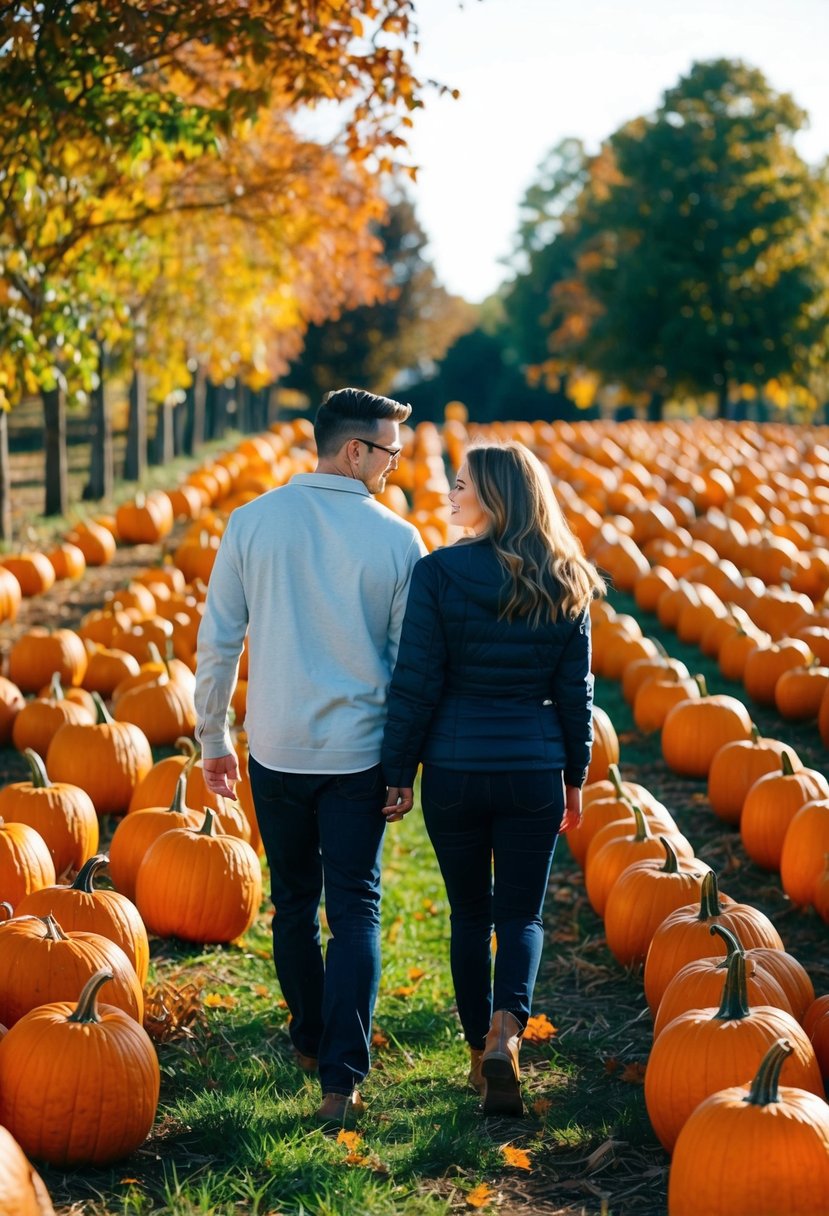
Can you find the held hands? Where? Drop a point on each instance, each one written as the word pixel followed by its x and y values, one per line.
pixel 572 808
pixel 399 801
pixel 221 774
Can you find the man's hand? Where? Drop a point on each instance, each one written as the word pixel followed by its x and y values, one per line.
pixel 399 801
pixel 572 808
pixel 221 774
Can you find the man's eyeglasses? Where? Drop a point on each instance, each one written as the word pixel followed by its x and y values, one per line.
pixel 392 453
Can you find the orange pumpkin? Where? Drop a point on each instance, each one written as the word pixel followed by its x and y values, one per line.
pixel 694 731
pixel 735 768
pixel 62 814
pixel 106 758
pixel 39 653
pixel 22 1192
pixel 25 862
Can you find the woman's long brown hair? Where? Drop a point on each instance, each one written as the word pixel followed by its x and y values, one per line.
pixel 547 571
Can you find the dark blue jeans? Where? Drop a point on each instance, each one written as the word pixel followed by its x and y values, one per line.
pixel 494 836
pixel 324 832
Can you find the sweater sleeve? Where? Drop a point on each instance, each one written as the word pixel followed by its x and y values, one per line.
pixel 221 637
pixel 572 693
pixel 417 682
pixel 416 551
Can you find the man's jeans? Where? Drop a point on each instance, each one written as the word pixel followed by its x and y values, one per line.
pixel 323 831
pixel 506 822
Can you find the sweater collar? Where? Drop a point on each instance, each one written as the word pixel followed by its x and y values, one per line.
pixel 331 481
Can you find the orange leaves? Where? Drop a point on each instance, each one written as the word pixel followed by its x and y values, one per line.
pixel 632 1073
pixel 479 1196
pixel 218 1000
pixel 353 1142
pixel 539 1029
pixel 518 1158
pixel 416 974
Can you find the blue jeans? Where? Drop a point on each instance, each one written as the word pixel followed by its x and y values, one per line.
pixel 325 832
pixel 507 823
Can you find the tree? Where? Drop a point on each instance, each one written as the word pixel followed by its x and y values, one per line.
pixel 102 100
pixel 405 329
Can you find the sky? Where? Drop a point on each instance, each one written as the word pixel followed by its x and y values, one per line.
pixel 531 72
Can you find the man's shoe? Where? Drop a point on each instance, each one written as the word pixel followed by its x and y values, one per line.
pixel 475 1079
pixel 306 1063
pixel 340 1110
pixel 499 1066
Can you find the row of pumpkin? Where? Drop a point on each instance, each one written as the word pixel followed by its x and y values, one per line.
pixel 734 1014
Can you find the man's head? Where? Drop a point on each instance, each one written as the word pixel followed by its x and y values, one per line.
pixel 358 435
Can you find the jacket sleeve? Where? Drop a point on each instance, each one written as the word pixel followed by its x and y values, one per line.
pixel 220 641
pixel 418 678
pixel 572 693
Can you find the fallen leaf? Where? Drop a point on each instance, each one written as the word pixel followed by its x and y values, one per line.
pixel 416 973
pixel 541 1106
pixel 519 1158
pixel 539 1029
pixel 479 1196
pixel 351 1140
pixel 633 1073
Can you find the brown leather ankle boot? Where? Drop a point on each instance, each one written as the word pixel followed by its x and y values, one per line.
pixel 499 1066
pixel 475 1079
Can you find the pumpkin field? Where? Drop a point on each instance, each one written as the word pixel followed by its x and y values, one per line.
pixel 678 1055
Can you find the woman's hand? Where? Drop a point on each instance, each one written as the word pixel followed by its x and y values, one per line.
pixel 399 801
pixel 572 808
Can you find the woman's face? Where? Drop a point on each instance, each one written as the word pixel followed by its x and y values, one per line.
pixel 467 511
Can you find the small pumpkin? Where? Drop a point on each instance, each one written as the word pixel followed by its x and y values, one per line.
pixel 40 652
pixel 735 768
pixel 771 807
pixel 139 829
pixel 65 1069
pixel 25 862
pixel 695 730
pixel 747 1150
pixel 604 865
pixel 41 718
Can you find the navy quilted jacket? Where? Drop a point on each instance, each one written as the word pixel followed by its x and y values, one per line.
pixel 472 692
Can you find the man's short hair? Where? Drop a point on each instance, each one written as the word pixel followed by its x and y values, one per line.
pixel 352 413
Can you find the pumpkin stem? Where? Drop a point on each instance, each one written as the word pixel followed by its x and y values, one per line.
pixel 755 733
pixel 55 687
pixel 207 828
pixel 54 933
pixel 178 805
pixel 104 717
pixel 734 1004
pixel 786 764
pixel 671 865
pixel 699 680
pixel 763 1090
pixel 641 832
pixel 7 908
pixel 37 769
pixel 709 901
pixel 83 880
pixel 186 746
pixel 86 1009
pixel 732 942
pixel 616 780
pixel 660 649
pixel 155 655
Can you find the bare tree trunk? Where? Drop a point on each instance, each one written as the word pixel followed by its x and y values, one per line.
pixel 57 463
pixel 135 463
pixel 101 455
pixel 5 480
pixel 163 448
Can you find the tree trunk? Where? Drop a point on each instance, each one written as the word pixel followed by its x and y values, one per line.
pixel 722 398
pixel 57 463
pixel 135 462
pixel 655 407
pixel 5 480
pixel 101 455
pixel 163 444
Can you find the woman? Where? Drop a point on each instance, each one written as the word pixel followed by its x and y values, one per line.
pixel 492 691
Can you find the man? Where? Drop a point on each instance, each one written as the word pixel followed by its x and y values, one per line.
pixel 317 573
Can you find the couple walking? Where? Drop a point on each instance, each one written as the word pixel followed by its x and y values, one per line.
pixel 367 658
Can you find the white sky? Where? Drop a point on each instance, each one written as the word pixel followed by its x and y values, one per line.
pixel 531 72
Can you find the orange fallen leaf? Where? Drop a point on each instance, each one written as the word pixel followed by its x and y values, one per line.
pixel 378 1039
pixel 519 1158
pixel 539 1029
pixel 416 973
pixel 403 991
pixel 261 990
pixel 214 1000
pixel 633 1073
pixel 479 1196
pixel 351 1140
pixel 541 1106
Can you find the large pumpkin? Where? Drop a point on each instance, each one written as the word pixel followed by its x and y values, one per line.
pixel 770 808
pixel 40 652
pixel 79 1083
pixel 705 1050
pixel 25 862
pixel 695 730
pixel 199 886
pixel 138 830
pixel 735 768
pixel 686 934
pixel 753 1150
pixel 94 910
pixel 22 1192
pixel 604 865
pixel 105 758
pixel 64 815
pixel 41 718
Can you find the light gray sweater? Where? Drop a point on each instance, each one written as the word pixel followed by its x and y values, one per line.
pixel 318 574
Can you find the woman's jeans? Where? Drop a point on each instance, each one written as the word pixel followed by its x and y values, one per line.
pixel 506 822
pixel 325 832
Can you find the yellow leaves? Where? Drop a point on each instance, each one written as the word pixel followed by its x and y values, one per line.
pixel 479 1196
pixel 353 1142
pixel 517 1158
pixel 218 1000
pixel 539 1029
